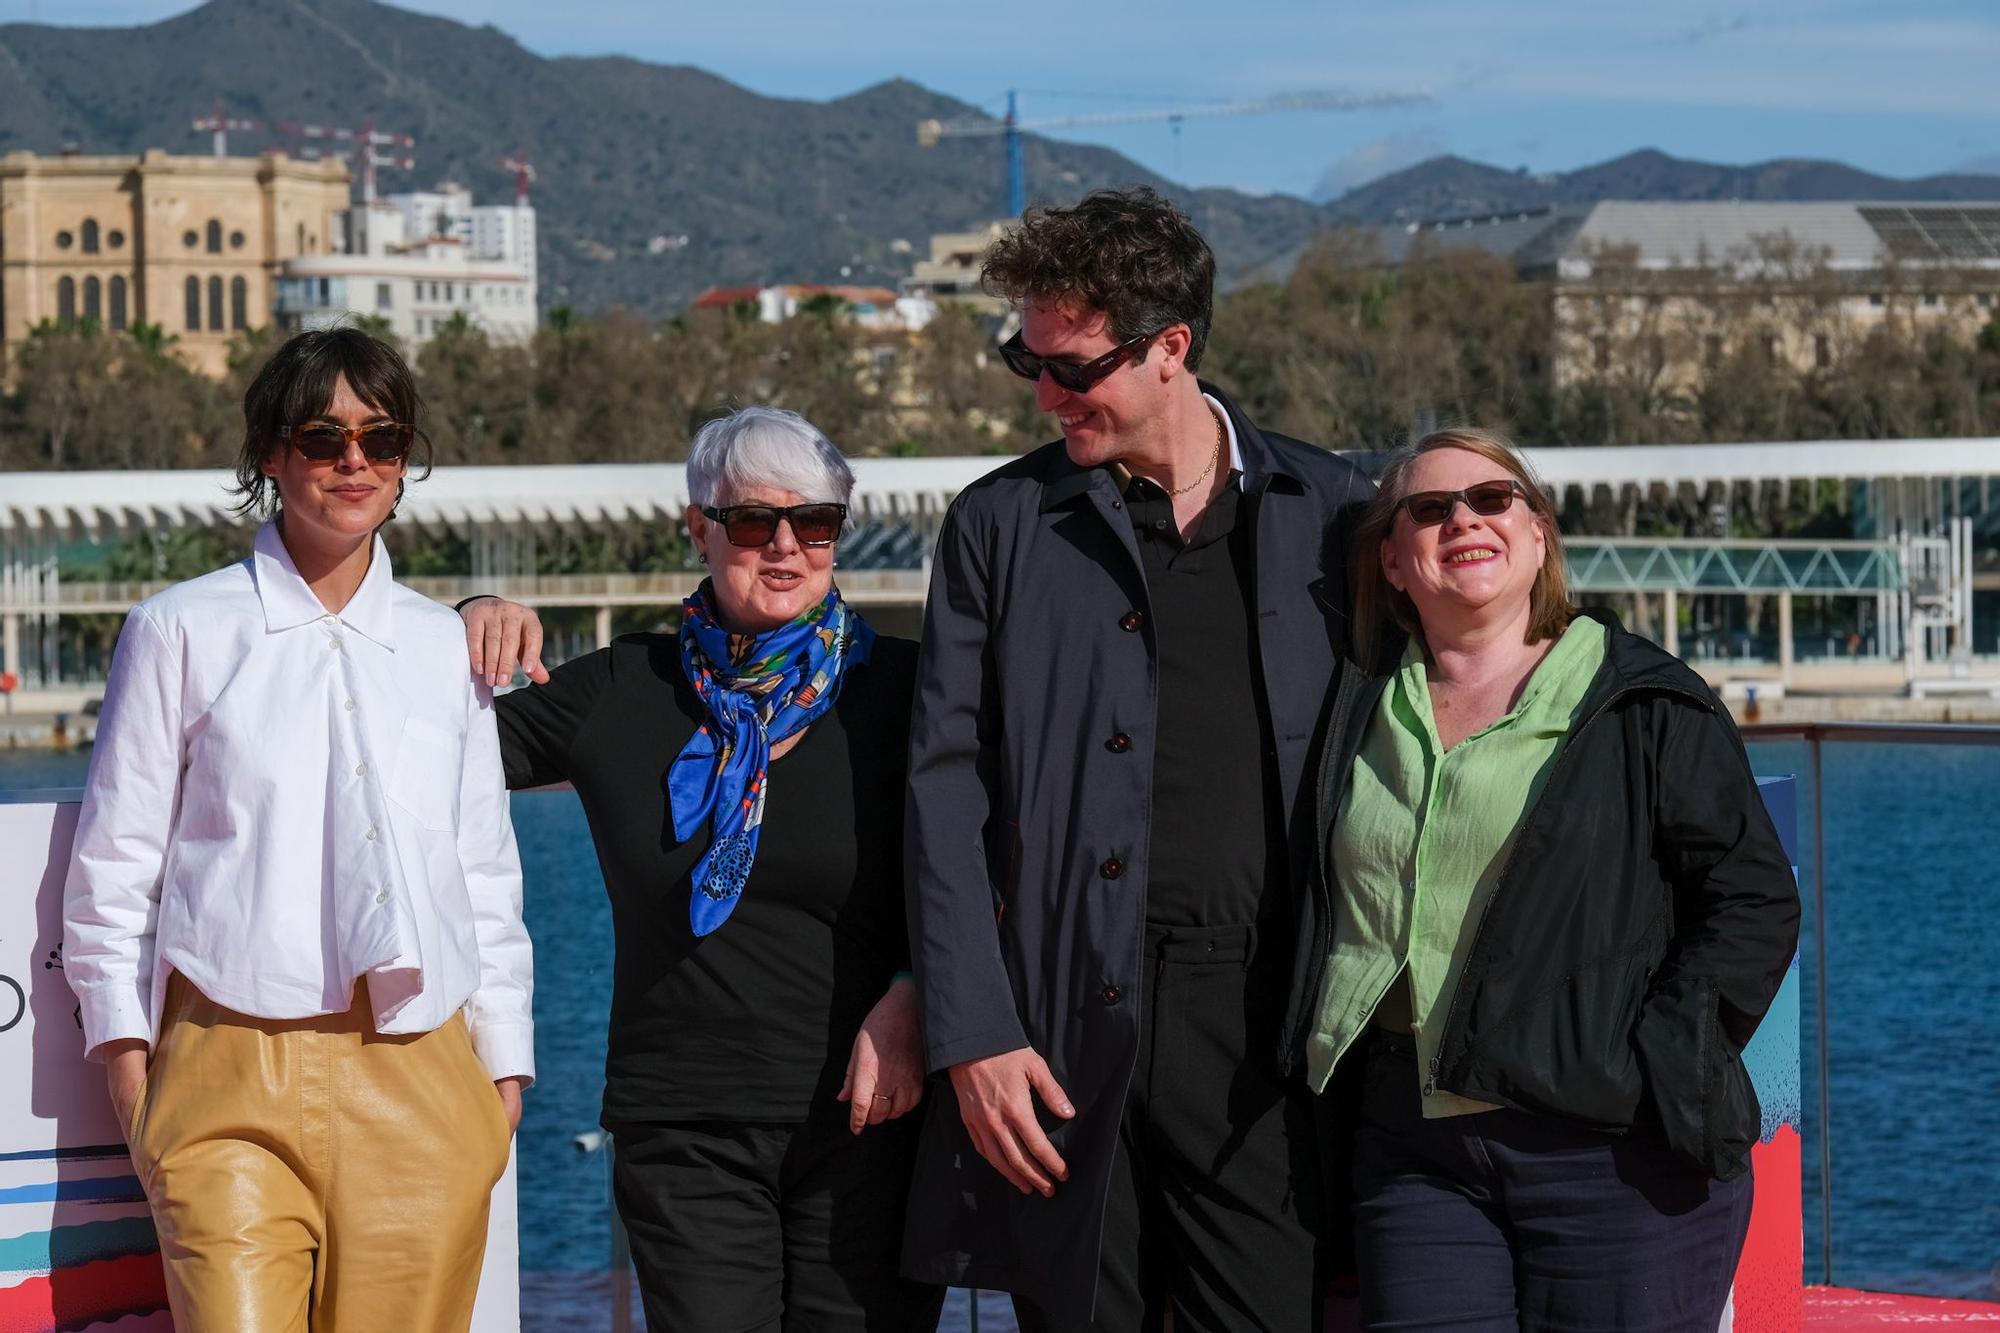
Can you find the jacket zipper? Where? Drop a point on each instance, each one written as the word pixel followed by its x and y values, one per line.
pixel 1507 871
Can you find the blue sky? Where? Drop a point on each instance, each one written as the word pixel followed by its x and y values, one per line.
pixel 1902 88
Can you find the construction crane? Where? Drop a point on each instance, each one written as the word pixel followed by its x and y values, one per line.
pixel 219 123
pixel 930 132
pixel 367 145
pixel 524 176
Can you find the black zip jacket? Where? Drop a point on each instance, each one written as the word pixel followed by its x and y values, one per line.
pixel 1641 926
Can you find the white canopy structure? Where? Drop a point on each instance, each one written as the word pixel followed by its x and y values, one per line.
pixel 103 503
pixel 1914 489
pixel 919 489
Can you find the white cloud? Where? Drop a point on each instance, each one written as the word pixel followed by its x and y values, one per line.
pixel 1914 56
pixel 1893 63
pixel 1376 158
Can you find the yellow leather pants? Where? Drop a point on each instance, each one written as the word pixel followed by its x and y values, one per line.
pixel 314 1174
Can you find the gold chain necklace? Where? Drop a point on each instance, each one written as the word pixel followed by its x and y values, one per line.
pixel 1213 455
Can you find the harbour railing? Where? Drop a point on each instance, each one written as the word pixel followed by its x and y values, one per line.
pixel 1895 849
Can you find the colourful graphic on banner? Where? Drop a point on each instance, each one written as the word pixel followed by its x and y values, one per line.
pixel 1770 1278
pixel 77 1247
pixel 98 1264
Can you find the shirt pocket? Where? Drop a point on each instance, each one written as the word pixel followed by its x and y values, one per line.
pixel 425 782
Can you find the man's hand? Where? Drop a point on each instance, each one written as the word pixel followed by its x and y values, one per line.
pixel 499 635
pixel 996 1100
pixel 885 1070
pixel 124 1075
pixel 510 1100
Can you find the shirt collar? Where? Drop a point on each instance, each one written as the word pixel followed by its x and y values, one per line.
pixel 1556 686
pixel 1228 430
pixel 1250 454
pixel 289 603
pixel 1122 475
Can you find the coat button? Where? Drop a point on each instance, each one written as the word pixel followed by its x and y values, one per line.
pixel 1119 743
pixel 1130 622
pixel 1112 868
pixel 1111 994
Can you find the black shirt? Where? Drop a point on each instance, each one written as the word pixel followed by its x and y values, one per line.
pixel 1217 849
pixel 754 1021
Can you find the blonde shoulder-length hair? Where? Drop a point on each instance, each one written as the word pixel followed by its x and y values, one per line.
pixel 1377 605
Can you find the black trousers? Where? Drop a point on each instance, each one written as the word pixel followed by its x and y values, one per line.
pixel 1507 1221
pixel 758 1228
pixel 1217 1206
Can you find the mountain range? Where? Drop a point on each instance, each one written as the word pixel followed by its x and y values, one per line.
pixel 656 181
pixel 1452 187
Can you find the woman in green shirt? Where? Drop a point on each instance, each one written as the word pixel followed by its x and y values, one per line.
pixel 1553 911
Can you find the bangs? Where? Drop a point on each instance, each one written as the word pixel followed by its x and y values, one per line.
pixel 376 375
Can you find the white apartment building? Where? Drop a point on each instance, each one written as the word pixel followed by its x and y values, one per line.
pixel 418 261
pixel 502 232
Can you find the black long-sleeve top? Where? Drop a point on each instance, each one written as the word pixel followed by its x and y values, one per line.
pixel 755 1021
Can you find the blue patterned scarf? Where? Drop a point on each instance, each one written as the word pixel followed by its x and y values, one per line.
pixel 759 689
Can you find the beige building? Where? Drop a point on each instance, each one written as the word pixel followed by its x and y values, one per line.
pixel 951 274
pixel 192 244
pixel 1668 290
pixel 1673 289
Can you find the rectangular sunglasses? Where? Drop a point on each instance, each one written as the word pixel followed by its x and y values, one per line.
pixel 755 525
pixel 1427 509
pixel 324 442
pixel 1076 376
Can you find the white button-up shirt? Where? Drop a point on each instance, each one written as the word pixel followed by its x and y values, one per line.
pixel 282 800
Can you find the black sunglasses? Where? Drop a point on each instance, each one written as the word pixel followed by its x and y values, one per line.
pixel 1076 376
pixel 324 442
pixel 756 525
pixel 1427 509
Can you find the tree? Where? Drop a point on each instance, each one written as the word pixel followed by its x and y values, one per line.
pixel 152 339
pixel 1348 351
pixel 1768 343
pixel 963 399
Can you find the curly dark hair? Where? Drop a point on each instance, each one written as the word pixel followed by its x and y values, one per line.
pixel 1127 253
pixel 297 384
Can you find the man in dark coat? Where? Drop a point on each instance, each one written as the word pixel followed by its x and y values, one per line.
pixel 1126 659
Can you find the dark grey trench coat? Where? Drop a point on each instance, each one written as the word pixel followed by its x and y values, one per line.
pixel 1037 649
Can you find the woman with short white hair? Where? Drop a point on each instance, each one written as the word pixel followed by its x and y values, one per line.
pixel 744 780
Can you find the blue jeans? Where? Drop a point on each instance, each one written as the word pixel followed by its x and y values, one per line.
pixel 1504 1221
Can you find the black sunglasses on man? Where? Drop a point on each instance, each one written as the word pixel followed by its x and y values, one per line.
pixel 1076 376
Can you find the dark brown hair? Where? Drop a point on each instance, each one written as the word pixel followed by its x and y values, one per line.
pixel 1377 604
pixel 1127 254
pixel 296 386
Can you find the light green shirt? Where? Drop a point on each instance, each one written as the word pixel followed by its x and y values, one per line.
pixel 1421 840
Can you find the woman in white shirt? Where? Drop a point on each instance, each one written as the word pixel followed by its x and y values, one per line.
pixel 293 917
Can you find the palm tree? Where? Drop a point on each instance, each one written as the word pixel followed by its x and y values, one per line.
pixel 152 339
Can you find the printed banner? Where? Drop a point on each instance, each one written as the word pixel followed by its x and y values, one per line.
pixel 77 1249
pixel 1769 1295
